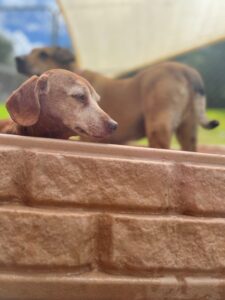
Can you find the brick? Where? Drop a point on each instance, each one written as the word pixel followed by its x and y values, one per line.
pixel 102 182
pixel 36 238
pixel 11 175
pixel 140 245
pixel 201 189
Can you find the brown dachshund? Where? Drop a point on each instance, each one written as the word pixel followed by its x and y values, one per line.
pixel 58 104
pixel 163 99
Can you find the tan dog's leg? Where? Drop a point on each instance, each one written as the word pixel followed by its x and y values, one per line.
pixel 158 134
pixel 187 135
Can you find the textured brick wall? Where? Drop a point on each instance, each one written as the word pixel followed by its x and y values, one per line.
pixel 85 221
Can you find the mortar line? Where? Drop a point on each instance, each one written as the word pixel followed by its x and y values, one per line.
pixel 73 210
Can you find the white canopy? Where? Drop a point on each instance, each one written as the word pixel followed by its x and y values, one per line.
pixel 113 36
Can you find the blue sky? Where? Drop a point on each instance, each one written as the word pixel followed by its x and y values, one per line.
pixel 31 28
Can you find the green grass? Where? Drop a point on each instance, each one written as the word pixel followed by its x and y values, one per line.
pixel 3 112
pixel 205 137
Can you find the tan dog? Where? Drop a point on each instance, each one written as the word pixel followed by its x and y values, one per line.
pixel 58 104
pixel 163 99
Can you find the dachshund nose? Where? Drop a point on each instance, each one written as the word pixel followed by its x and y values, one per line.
pixel 112 125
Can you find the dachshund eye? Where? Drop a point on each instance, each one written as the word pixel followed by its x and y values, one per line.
pixel 43 55
pixel 80 97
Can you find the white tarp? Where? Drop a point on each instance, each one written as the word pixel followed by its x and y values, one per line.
pixel 112 36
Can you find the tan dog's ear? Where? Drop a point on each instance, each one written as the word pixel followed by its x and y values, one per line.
pixel 63 55
pixel 23 105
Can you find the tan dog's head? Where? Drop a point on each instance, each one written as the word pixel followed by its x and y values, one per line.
pixel 43 59
pixel 60 100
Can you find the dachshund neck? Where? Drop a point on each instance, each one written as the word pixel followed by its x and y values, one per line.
pixel 41 129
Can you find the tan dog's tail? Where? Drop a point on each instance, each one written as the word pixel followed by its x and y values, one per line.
pixel 197 84
pixel 200 109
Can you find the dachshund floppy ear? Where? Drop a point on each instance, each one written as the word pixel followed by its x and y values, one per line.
pixel 23 105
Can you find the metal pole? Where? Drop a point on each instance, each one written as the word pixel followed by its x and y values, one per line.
pixel 55 28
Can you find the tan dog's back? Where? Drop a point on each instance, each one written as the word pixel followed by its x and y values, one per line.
pixel 156 102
